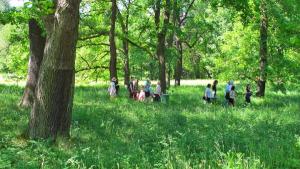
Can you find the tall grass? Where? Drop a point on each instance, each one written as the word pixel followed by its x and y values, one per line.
pixel 186 133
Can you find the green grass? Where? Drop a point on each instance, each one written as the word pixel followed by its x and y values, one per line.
pixel 186 133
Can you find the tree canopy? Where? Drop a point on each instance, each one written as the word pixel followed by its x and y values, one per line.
pixel 214 39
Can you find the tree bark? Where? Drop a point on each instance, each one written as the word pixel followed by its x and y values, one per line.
pixel 178 69
pixel 52 109
pixel 161 40
pixel 124 26
pixel 113 49
pixel 175 13
pixel 126 62
pixel 263 52
pixel 197 72
pixel 37 45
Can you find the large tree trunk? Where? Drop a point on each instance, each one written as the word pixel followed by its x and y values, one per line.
pixel 37 45
pixel 263 52
pixel 161 39
pixel 52 109
pixel 113 49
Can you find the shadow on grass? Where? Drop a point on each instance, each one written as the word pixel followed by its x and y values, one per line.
pixel 157 134
pixel 123 133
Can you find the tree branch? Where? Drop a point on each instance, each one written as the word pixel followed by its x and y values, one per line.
pixel 91 68
pixel 93 44
pixel 186 13
pixel 100 33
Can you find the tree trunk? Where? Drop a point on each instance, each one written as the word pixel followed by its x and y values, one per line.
pixel 180 17
pixel 126 63
pixel 161 39
pixel 175 13
pixel 52 109
pixel 263 52
pixel 37 45
pixel 169 76
pixel 113 49
pixel 124 26
pixel 178 70
pixel 195 62
pixel 162 63
pixel 152 72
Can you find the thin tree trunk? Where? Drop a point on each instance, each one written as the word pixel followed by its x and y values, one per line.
pixel 180 18
pixel 52 109
pixel 37 45
pixel 126 62
pixel 178 70
pixel 171 41
pixel 124 26
pixel 195 63
pixel 169 75
pixel 263 52
pixel 152 73
pixel 113 49
pixel 197 70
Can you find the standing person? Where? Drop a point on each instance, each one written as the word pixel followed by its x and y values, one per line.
pixel 214 89
pixel 232 96
pixel 112 88
pixel 208 94
pixel 147 88
pixel 227 90
pixel 117 86
pixel 135 89
pixel 142 94
pixel 248 94
pixel 131 87
pixel 157 93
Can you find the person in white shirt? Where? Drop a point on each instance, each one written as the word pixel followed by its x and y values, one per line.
pixel 112 88
pixel 157 93
pixel 228 89
pixel 142 94
pixel 208 96
pixel 232 96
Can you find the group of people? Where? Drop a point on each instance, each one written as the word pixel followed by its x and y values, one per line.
pixel 210 94
pixel 136 92
pixel 145 92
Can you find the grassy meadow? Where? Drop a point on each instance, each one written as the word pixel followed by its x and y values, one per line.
pixel 186 133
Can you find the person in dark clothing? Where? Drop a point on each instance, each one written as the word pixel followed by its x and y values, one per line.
pixel 208 96
pixel 135 89
pixel 117 86
pixel 214 89
pixel 131 87
pixel 248 94
pixel 148 88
